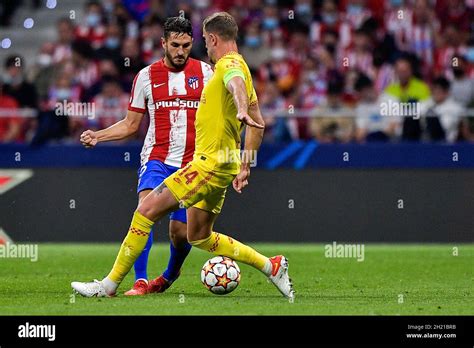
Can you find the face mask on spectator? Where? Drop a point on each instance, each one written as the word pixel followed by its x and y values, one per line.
pixel 329 18
pixel 44 60
pixel 252 41
pixel 303 9
pixel 112 42
pixel 270 23
pixel 354 9
pixel 63 93
pixel 92 19
pixel 14 81
pixel 278 53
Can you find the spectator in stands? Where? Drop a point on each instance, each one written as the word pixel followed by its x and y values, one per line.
pixel 325 127
pixel 421 39
pixel 462 86
pixel 110 105
pixel 15 84
pixel 55 122
pixel 304 11
pixel 384 73
pixel 357 12
pixel 65 32
pixel 254 50
pixel 151 35
pixel 127 23
pixel 280 69
pixel 107 69
pixel 408 89
pixel 82 67
pixel 330 18
pixel 271 27
pixel 455 11
pixel 371 126
pixel 359 56
pixel 92 28
pixel 111 47
pixel 442 113
pixel 399 22
pixel 42 72
pixel 280 128
pixel 10 122
pixel 452 44
pixel 130 61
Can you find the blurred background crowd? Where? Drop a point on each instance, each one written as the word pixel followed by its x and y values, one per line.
pixel 323 69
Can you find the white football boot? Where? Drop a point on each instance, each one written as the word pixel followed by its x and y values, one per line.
pixel 280 277
pixel 91 289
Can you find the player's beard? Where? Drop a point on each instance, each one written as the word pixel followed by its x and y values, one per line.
pixel 176 66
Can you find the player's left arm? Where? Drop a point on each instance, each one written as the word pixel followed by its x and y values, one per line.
pixel 235 84
pixel 253 140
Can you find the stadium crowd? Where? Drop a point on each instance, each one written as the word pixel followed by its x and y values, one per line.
pixel 309 58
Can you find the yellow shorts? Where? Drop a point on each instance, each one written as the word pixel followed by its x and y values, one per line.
pixel 195 186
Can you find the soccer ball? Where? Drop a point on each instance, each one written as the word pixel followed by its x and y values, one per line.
pixel 220 275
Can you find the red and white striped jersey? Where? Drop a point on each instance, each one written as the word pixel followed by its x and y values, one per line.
pixel 171 98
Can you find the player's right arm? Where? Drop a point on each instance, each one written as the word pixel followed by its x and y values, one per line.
pixel 120 130
pixel 253 140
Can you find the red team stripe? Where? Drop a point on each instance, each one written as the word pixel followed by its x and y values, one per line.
pixel 159 76
pixel 196 71
pixel 130 107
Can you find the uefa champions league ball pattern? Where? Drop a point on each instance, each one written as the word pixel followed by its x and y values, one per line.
pixel 220 275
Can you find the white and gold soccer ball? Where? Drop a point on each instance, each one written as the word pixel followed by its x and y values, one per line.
pixel 220 275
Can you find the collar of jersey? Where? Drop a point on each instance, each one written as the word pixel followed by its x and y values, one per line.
pixel 228 54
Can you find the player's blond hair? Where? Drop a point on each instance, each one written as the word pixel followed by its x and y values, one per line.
pixel 222 24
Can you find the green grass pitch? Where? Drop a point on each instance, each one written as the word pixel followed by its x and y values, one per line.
pixel 392 280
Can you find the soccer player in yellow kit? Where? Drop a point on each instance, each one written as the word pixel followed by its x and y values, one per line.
pixel 227 103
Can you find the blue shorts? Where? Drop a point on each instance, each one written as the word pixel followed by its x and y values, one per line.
pixel 152 174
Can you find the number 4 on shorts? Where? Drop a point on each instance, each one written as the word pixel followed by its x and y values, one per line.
pixel 190 177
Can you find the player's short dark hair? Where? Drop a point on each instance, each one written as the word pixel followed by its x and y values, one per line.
pixel 442 82
pixel 178 25
pixel 222 24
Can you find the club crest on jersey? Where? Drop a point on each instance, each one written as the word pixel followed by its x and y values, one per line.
pixel 193 82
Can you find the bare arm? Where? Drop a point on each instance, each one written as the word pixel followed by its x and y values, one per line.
pixel 253 140
pixel 236 86
pixel 120 130
pixel 253 137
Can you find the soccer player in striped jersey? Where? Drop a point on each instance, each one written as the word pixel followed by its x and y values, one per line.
pixel 168 90
pixel 227 104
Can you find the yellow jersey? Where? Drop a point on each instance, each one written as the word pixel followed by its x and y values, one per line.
pixel 218 130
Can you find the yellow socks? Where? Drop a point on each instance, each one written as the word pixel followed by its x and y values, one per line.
pixel 132 247
pixel 220 244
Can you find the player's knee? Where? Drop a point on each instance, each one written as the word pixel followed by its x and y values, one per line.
pixel 145 209
pixel 196 236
